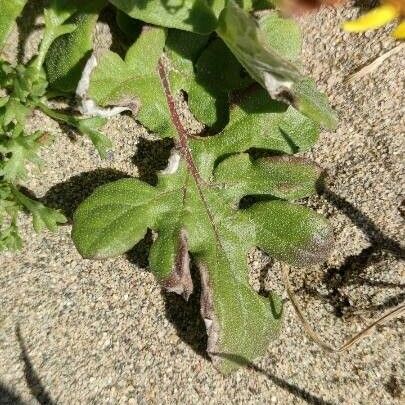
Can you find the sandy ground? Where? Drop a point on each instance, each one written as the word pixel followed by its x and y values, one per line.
pixel 74 331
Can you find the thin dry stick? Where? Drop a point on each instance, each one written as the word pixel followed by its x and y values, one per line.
pixel 364 71
pixel 317 339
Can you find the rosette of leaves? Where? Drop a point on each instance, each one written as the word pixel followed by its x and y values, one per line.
pixel 225 32
pixel 195 210
pixel 211 44
pixel 25 88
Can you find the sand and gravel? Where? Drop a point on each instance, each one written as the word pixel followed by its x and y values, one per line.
pixel 74 331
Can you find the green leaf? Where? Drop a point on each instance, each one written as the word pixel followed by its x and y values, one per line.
pixel 128 25
pixel 208 72
pixel 57 13
pixel 291 233
pixel 268 67
pixel 9 209
pixel 9 11
pixel 67 55
pixel 10 239
pixel 6 75
pixel 281 34
pixel 217 74
pixel 216 68
pixel 17 150
pixel 258 122
pixel 42 216
pixel 183 49
pixel 90 127
pixel 114 225
pixel 281 177
pixel 312 103
pixel 15 111
pixel 135 82
pixel 264 4
pixel 194 213
pixel 189 15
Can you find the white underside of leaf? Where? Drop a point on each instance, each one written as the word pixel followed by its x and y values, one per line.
pixel 88 106
pixel 173 163
pixel 208 323
pixel 180 281
pixel 207 312
pixel 276 87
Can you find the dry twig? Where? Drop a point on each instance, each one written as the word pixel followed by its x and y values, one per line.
pixel 393 313
pixel 371 67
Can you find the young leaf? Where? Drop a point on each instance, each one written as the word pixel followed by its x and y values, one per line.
pixel 17 150
pixel 279 76
pixel 189 15
pixel 42 217
pixel 90 127
pixel 9 236
pixel 194 211
pixel 9 11
pixel 25 89
pixel 57 13
pixel 68 54
pixel 10 239
pixel 134 82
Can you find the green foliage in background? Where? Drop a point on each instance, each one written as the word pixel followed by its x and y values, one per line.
pixel 25 88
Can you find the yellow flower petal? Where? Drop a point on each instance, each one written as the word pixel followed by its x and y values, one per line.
pixel 399 32
pixel 374 19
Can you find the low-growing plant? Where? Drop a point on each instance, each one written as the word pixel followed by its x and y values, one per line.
pixel 66 45
pixel 195 209
pixel 25 88
pixel 224 191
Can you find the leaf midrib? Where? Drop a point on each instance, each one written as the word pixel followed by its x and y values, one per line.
pixel 186 154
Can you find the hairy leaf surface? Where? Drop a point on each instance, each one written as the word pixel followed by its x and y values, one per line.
pixel 194 213
pixel 268 67
pixel 189 15
pixel 9 11
pixel 68 54
pixel 134 82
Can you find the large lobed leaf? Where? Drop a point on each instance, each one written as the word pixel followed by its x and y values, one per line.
pixel 134 81
pixel 194 213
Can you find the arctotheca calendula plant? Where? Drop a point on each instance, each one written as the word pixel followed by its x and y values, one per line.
pixel 242 82
pixel 237 66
